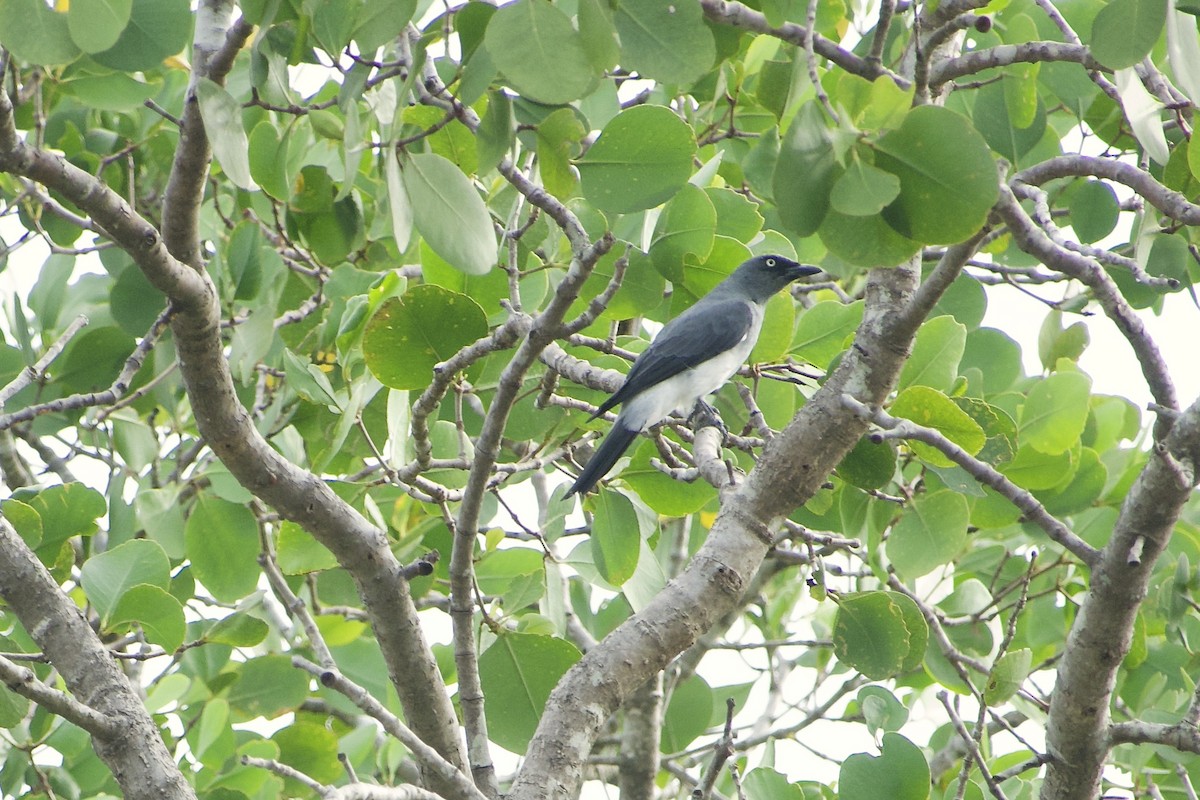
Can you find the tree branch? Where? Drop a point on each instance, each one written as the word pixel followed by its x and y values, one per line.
pixel 983 472
pixel 124 736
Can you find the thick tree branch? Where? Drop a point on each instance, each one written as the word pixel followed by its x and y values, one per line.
pixel 295 493
pixel 104 703
pixel 792 468
pixel 1078 737
pixel 641 733
pixel 22 681
pixel 1007 54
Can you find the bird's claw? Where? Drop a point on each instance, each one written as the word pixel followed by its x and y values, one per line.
pixel 705 416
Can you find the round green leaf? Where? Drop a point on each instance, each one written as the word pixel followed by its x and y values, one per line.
pixel 413 333
pixel 865 241
pixel 1125 31
pixel 518 673
pixel 869 634
pixel 665 40
pixel 932 409
pixel 310 748
pixel 995 121
pixel 948 180
pixel 1033 469
pixel 96 25
pixel 881 709
pixel 1094 210
pixel 1055 412
pixel 159 614
pixel 996 355
pixel 935 354
pixel 267 154
pixel 685 228
pixel 106 577
pixel 662 493
pixel 825 330
pixel 221 539
pixel 641 159
pixel 868 465
pixel 157 29
pixel 534 44
pixel 1008 673
pixel 899 772
pixel 863 189
pixel 94 359
pixel 449 213
pixel 931 532
pixel 266 687
pixel 36 34
pixel 299 553
pixel 66 510
pixel 238 630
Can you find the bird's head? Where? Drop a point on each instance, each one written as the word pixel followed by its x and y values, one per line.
pixel 763 276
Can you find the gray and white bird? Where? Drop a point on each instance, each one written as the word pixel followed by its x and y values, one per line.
pixel 693 355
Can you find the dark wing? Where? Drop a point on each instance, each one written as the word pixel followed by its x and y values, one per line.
pixel 703 331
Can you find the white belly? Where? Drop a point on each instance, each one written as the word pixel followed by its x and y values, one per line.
pixel 680 392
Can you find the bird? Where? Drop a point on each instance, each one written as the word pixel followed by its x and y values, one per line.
pixel 692 356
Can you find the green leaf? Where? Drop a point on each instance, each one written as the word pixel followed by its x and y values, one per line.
pixel 868 465
pixel 299 553
pixel 558 137
pixel 598 33
pixel 935 355
pixel 66 510
pixel 825 330
pixel 805 172
pixel 996 355
pixel 381 21
pixel 238 630
pixel 615 537
pixel 1055 412
pixel 159 614
pixel 685 228
pixel 268 156
pixel 931 532
pixel 1008 673
pixel 865 241
pixel 36 34
pixel 765 783
pixel 881 709
pixel 870 634
pixel 948 181
pixel 223 124
pixel 24 519
pixel 449 212
pixel 900 772
pixel 660 492
pixel 221 539
pixel 266 686
pixel 543 57
pixel 518 673
pixel 1055 342
pixel 114 92
pixel 665 40
pixel 863 189
pixel 96 25
pixel 688 712
pixel 157 29
pixel 107 576
pixel 413 333
pixel 1094 211
pixel 775 336
pixel 311 748
pixel 641 159
pixel 1033 469
pixel 516 574
pixel 995 119
pixel 932 409
pixel 1125 31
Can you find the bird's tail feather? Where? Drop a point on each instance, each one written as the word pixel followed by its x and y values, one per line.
pixel 612 448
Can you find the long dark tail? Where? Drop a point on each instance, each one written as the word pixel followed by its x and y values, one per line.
pixel 613 446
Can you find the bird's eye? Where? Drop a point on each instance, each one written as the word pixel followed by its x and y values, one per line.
pixel 770 262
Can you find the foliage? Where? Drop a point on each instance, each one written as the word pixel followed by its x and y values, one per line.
pixel 328 292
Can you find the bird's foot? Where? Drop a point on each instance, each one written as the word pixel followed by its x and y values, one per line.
pixel 705 416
